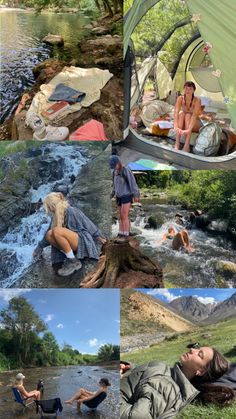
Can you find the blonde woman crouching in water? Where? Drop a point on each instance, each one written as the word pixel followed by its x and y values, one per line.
pixel 72 235
pixel 19 384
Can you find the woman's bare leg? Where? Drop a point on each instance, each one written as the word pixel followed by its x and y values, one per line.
pixel 63 239
pixel 81 393
pixel 181 126
pixel 187 122
pixel 124 214
pixel 121 230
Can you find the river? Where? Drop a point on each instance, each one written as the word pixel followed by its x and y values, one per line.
pixel 21 34
pixel 181 269
pixel 62 382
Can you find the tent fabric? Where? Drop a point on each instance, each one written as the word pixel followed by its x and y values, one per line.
pixel 91 131
pixel 217 26
pixel 145 164
pixel 216 21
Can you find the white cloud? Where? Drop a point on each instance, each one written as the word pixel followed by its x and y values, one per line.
pixel 117 321
pixel 8 294
pixel 60 326
pixel 2 326
pixel 206 300
pixel 93 342
pixel 49 317
pixel 165 293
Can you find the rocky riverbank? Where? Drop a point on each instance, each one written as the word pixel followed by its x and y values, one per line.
pixel 142 341
pixel 102 49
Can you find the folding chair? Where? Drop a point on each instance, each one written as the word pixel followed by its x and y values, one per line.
pixel 22 401
pixel 49 408
pixel 93 403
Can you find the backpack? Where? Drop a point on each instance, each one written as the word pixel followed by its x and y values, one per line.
pixel 208 140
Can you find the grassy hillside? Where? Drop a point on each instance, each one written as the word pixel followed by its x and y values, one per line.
pixel 144 314
pixel 222 336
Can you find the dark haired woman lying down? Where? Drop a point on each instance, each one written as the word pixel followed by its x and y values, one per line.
pixel 155 390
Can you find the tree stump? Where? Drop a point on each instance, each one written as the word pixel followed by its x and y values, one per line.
pixel 122 265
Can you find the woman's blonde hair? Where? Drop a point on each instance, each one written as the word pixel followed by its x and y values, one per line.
pixel 56 204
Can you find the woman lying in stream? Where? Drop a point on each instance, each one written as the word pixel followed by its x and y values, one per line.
pixel 83 395
pixel 72 235
pixel 179 240
pixel 19 384
pixel 155 390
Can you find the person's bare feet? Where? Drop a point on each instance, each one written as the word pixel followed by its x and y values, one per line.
pixel 68 402
pixel 186 149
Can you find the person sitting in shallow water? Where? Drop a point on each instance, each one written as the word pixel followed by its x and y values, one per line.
pixel 155 390
pixel 72 235
pixel 19 384
pixel 83 395
pixel 180 240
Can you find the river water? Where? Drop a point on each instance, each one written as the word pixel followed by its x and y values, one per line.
pixel 180 269
pixel 62 382
pixel 21 49
pixel 23 238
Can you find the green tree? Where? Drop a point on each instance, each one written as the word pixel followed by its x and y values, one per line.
pixel 109 352
pixel 23 324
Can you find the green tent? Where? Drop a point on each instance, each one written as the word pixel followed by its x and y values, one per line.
pixel 212 23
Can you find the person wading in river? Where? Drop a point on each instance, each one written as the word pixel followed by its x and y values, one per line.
pixel 72 235
pixel 126 191
pixel 19 384
pixel 180 240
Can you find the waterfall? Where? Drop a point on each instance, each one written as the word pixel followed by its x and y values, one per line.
pixel 21 240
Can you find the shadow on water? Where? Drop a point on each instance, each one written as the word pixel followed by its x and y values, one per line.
pixel 22 48
pixel 63 382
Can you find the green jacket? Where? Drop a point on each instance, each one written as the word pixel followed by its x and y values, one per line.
pixel 154 390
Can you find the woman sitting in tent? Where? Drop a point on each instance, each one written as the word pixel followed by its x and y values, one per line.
pixel 155 390
pixel 83 395
pixel 19 385
pixel 72 235
pixel 187 111
pixel 180 240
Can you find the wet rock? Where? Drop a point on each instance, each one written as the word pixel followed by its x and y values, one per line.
pixel 227 268
pixel 202 221
pixel 51 39
pixel 154 222
pixel 7 262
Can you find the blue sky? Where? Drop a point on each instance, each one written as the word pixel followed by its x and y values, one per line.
pixel 83 318
pixel 205 295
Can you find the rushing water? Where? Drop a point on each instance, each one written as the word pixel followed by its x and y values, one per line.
pixel 181 269
pixel 21 34
pixel 62 382
pixel 23 238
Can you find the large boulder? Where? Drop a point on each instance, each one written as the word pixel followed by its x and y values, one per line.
pixel 51 39
pixel 226 268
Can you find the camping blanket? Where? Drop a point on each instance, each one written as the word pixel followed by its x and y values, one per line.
pixel 154 110
pixel 90 81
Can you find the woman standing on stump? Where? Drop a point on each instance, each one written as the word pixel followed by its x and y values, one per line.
pixel 72 235
pixel 126 191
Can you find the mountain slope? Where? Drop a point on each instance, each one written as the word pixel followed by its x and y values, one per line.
pixel 225 309
pixel 141 313
pixel 191 308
